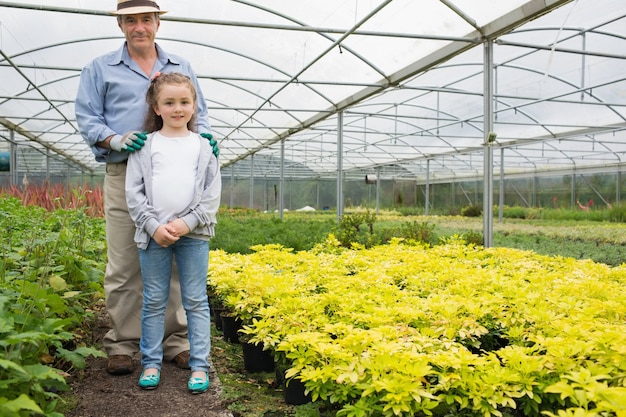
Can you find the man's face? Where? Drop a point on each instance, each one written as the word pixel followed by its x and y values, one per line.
pixel 139 29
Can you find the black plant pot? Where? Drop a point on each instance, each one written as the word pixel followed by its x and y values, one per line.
pixel 255 359
pixel 230 326
pixel 294 392
pixel 217 316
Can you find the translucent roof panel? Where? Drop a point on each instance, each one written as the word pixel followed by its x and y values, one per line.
pixel 408 78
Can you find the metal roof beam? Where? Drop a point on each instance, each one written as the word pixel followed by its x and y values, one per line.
pixel 557 49
pixel 21 131
pixel 335 31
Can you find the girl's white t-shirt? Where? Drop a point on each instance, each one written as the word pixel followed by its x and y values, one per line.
pixel 174 168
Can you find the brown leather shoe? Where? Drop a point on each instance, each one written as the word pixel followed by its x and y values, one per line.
pixel 120 365
pixel 182 360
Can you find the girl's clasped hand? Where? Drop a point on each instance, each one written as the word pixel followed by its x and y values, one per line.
pixel 169 233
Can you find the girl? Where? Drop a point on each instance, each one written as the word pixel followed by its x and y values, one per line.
pixel 173 187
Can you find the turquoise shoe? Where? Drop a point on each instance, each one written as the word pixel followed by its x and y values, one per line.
pixel 149 381
pixel 198 385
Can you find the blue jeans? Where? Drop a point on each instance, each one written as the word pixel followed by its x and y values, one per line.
pixel 192 258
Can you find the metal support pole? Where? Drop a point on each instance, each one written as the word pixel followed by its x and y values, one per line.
pixel 232 186
pixel 12 159
pixel 378 179
pixel 48 165
pixel 317 193
pixel 501 196
pixel 427 193
pixel 266 197
pixel 339 166
pixel 251 202
pixel 618 188
pixel 453 193
pixel 281 189
pixel 572 190
pixel 489 137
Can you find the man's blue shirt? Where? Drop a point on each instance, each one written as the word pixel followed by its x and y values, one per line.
pixel 111 98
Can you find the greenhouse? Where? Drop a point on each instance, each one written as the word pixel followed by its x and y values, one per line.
pixel 365 149
pixel 326 104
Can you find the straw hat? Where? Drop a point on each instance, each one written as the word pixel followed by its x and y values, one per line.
pixel 136 7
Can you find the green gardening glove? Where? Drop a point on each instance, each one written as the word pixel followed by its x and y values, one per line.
pixel 139 140
pixel 212 142
pixel 129 142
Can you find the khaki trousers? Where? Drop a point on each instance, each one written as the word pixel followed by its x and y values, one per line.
pixel 123 287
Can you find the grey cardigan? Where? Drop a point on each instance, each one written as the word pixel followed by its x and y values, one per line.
pixel 200 216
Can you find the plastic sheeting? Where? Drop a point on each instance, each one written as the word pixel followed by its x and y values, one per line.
pixel 408 76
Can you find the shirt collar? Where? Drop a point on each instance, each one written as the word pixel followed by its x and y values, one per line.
pixel 122 56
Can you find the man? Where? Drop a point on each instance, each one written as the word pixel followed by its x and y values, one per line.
pixel 110 110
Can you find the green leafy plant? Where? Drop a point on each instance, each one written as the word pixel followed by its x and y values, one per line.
pixel 350 229
pixel 472 210
pixel 617 213
pixel 420 231
pixel 472 237
pixel 50 277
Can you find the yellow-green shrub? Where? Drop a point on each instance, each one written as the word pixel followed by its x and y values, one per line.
pixel 403 330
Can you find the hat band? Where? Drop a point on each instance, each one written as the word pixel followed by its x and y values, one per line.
pixel 137 3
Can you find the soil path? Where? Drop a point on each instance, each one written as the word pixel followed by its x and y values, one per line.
pixel 102 395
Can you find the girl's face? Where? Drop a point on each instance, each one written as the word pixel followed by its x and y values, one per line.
pixel 175 105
